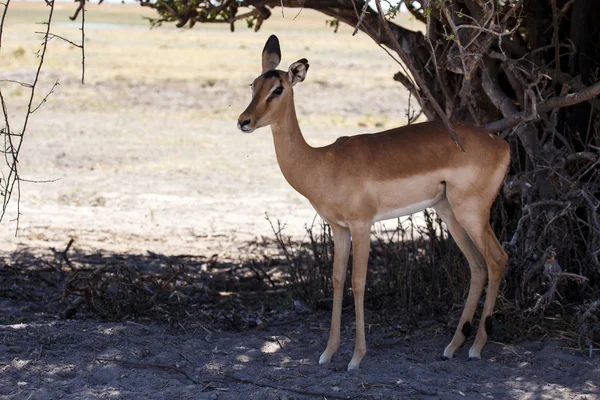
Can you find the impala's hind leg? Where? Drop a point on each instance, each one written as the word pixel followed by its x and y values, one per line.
pixel 473 214
pixel 496 261
pixel 478 275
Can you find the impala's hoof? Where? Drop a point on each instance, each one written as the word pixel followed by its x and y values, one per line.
pixel 474 354
pixel 353 366
pixel 444 358
pixel 448 353
pixel 324 359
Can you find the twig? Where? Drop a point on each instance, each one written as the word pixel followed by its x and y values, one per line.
pixel 301 8
pixel 65 253
pixel 163 286
pixel 45 97
pixel 24 84
pixel 555 35
pixel 362 16
pixel 565 8
pixel 159 366
pixel 324 395
pixel 13 176
pixel 2 20
pixel 53 35
pixel 11 182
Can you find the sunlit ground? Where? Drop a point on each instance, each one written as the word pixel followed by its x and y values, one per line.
pixel 146 153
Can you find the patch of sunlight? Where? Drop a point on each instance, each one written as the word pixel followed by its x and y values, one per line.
pixel 243 358
pixel 104 393
pixel 270 348
pixel 285 360
pixel 20 364
pixel 54 369
pixel 111 330
pixel 17 326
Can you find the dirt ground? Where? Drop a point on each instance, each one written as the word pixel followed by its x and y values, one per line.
pixel 146 162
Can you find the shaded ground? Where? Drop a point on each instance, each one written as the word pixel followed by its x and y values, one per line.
pixel 224 330
pixel 74 359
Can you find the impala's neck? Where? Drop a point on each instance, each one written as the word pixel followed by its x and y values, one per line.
pixel 296 158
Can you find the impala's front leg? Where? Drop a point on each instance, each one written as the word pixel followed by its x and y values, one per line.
pixel 341 252
pixel 361 243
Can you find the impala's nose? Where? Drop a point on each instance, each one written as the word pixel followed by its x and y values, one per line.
pixel 243 125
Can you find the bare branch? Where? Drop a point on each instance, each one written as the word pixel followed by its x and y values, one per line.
pixel 362 16
pixel 13 175
pixel 45 97
pixel 545 106
pixel 2 20
pixel 52 36
pixel 83 40
pixel 403 79
pixel 10 182
pixel 496 95
pixel 555 35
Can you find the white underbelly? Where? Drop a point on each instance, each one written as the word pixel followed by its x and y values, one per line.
pixel 409 209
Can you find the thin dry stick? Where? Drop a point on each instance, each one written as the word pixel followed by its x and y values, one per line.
pixel 12 148
pixel 13 175
pixel 362 16
pixel 53 35
pixel 45 98
pixel 145 365
pixel 324 395
pixel 301 8
pixel 2 20
pixel 555 35
pixel 420 82
pixel 82 41
pixel 565 8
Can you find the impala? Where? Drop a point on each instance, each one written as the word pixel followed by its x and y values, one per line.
pixel 371 177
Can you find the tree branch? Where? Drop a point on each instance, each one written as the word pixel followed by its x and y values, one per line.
pixel 2 20
pixel 545 106
pixel 497 95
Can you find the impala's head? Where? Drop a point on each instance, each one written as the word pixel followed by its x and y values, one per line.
pixel 272 90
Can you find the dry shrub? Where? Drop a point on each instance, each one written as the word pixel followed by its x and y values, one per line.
pixel 552 230
pixel 415 268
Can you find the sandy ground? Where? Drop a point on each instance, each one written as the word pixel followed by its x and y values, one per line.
pixel 146 157
pixel 147 153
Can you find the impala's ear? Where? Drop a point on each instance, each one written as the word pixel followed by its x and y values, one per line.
pixel 271 55
pixel 297 71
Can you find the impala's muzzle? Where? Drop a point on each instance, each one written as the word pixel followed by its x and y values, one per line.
pixel 244 125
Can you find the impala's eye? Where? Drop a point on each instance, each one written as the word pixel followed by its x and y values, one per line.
pixel 275 93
